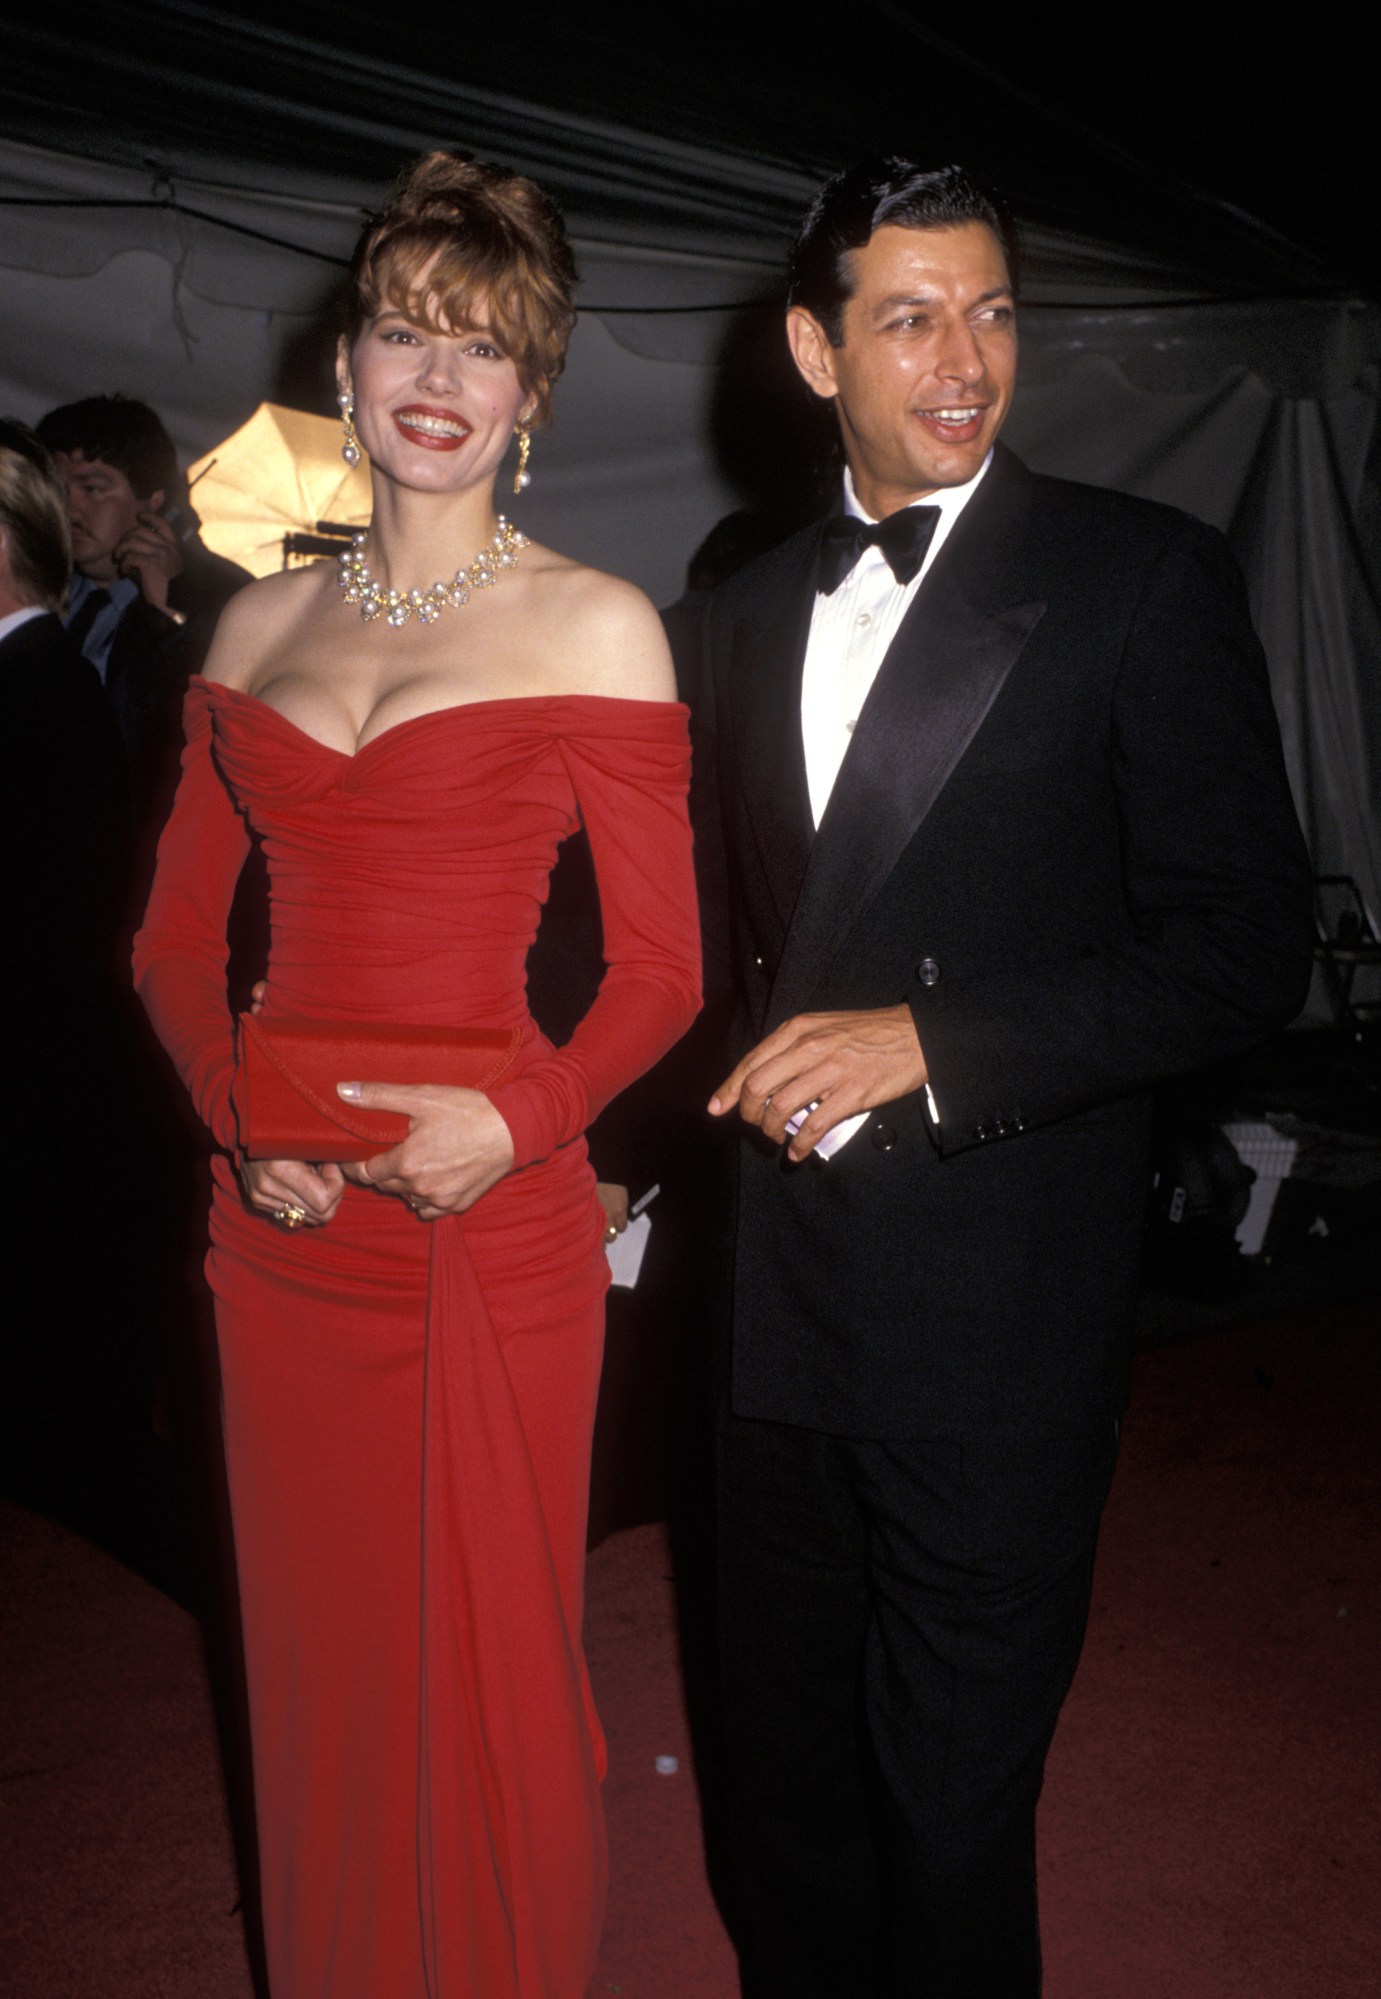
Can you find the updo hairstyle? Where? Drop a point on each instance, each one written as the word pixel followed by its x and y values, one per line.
pixel 465 244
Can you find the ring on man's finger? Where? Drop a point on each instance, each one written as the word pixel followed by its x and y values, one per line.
pixel 290 1215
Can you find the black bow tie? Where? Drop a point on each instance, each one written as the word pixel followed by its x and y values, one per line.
pixel 903 538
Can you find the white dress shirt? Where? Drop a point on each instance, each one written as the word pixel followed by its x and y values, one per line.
pixel 850 631
pixel 100 637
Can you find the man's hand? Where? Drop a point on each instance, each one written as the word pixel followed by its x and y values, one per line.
pixel 152 555
pixel 614 1200
pixel 842 1063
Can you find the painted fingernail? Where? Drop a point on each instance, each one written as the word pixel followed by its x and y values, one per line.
pixel 350 1091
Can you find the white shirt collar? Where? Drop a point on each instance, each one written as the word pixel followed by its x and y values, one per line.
pixel 15 619
pixel 121 590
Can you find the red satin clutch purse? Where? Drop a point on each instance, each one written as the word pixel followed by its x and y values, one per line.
pixel 285 1080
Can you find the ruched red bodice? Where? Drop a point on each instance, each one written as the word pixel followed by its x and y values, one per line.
pixel 408 1407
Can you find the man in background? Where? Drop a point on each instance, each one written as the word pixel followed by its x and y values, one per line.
pixel 146 591
pixel 75 1366
pixel 142 609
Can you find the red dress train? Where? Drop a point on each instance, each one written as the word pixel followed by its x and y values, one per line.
pixel 408 1407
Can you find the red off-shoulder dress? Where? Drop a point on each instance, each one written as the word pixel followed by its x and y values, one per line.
pixel 408 1406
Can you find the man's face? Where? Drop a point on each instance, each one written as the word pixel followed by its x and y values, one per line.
pixel 103 507
pixel 924 377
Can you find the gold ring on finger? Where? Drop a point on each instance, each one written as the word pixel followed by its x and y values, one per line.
pixel 290 1215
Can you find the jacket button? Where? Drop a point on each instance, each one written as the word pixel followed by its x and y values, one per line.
pixel 884 1137
pixel 928 972
pixel 981 1132
pixel 758 963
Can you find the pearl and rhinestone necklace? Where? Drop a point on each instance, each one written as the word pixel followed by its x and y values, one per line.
pixel 398 606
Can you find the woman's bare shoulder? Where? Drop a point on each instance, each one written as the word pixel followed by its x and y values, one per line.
pixel 263 618
pixel 607 634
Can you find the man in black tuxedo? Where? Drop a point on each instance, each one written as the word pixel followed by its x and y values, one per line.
pixel 995 794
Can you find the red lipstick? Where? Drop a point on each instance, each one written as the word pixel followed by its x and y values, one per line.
pixel 431 427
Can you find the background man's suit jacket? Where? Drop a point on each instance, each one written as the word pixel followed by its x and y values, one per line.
pixel 1063 835
pixel 66 793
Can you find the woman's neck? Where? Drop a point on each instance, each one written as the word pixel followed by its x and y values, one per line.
pixel 417 539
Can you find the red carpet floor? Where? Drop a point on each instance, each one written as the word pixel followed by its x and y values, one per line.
pixel 1212 1820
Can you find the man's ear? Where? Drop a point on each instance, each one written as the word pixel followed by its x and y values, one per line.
pixel 811 351
pixel 155 502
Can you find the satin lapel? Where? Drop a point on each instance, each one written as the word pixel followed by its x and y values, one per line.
pixel 942 673
pixel 765 698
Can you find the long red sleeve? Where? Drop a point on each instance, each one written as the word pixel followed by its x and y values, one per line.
pixel 180 953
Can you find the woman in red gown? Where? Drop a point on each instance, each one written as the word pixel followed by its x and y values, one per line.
pixel 410 1345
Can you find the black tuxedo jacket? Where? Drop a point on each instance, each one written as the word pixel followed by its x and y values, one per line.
pixel 145 681
pixel 150 659
pixel 1062 834
pixel 66 805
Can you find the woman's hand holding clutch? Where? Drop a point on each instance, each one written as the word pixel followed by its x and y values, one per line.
pixel 292 1193
pixel 457 1149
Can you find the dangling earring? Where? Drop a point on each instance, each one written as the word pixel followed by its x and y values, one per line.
pixel 522 478
pixel 350 449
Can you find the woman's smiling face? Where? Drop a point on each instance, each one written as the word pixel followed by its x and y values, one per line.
pixel 435 405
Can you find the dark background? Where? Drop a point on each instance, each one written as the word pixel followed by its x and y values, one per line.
pixel 1236 147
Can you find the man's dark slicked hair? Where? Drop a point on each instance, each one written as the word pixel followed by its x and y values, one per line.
pixel 873 194
pixel 124 432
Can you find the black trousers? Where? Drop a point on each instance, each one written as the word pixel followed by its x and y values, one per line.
pixel 901 1621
